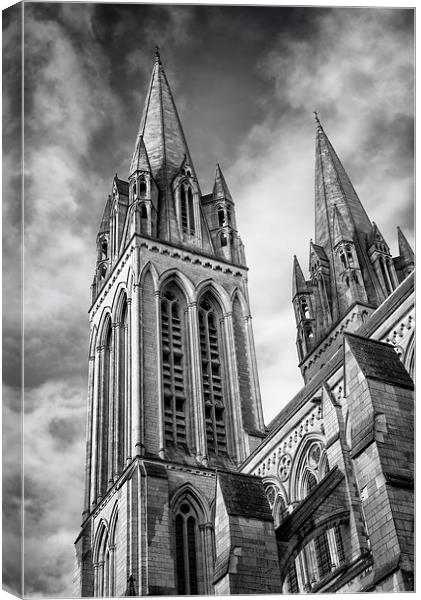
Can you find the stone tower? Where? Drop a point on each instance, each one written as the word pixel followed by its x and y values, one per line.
pixel 351 268
pixel 337 463
pixel 173 388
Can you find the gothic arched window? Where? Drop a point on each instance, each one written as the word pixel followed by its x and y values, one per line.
pixel 186 543
pixel 224 239
pixel 321 555
pixel 187 209
pixel 210 345
pixel 173 370
pixel 191 211
pixel 104 249
pixel 305 312
pixel 349 255
pixel 142 187
pixel 221 217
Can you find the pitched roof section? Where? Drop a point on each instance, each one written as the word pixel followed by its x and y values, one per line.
pixel 298 282
pixel 378 360
pixel 333 187
pixel 405 250
pixel 244 496
pixel 161 129
pixel 122 186
pixel 140 160
pixel 220 188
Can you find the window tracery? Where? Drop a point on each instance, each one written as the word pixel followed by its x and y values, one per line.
pixel 175 433
pixel 211 377
pixel 187 209
pixel 319 557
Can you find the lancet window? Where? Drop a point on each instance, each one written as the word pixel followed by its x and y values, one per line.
pixel 186 543
pixel 142 187
pixel 187 210
pixel 173 370
pixel 318 558
pixel 210 345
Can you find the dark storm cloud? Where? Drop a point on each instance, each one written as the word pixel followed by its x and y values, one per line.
pixel 245 81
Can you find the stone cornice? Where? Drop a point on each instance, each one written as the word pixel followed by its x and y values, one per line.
pixel 164 248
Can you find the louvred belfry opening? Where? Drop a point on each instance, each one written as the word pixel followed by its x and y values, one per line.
pixel 173 371
pixel 212 383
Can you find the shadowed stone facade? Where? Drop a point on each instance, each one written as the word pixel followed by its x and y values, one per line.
pixel 187 491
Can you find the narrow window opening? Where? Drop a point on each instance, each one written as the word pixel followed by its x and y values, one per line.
pixel 212 381
pixel 349 255
pixel 104 249
pixel 186 551
pixel 142 187
pixel 183 202
pixel 191 212
pixel 173 372
pixel 224 239
pixel 221 217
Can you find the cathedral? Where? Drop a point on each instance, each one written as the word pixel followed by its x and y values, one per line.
pixel 187 491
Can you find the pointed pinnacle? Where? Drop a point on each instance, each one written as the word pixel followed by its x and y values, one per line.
pixel 157 55
pixel 405 250
pixel 316 116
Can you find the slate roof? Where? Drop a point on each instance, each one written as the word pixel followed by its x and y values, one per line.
pixel 122 186
pixel 378 360
pixel 244 496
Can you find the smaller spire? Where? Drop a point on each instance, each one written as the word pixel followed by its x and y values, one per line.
pixel 105 221
pixel 220 188
pixel 299 285
pixel 140 160
pixel 375 235
pixel 405 250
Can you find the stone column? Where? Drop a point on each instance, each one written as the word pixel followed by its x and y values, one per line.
pixel 161 435
pixel 117 399
pixel 89 433
pixel 234 390
pixel 196 378
pixel 96 579
pixel 206 538
pixel 135 377
pixel 111 571
pixel 100 422
pixel 253 372
pixel 112 401
pixel 128 374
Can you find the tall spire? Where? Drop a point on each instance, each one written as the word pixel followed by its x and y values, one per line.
pixel 161 129
pixel 333 187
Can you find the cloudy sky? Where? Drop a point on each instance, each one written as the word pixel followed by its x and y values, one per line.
pixel 245 81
